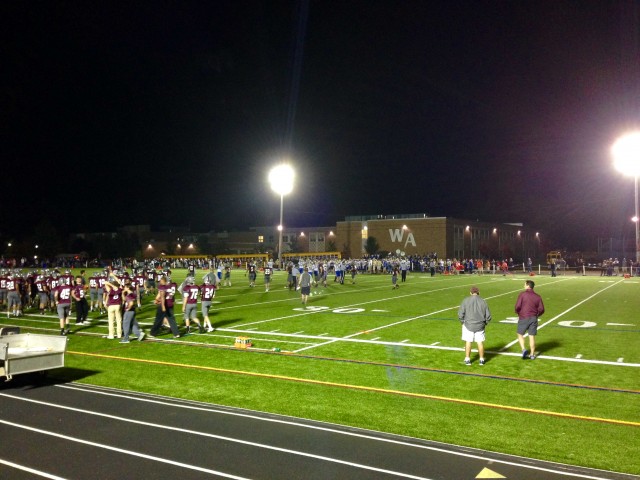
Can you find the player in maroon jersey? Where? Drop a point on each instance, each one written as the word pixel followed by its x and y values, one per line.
pixel 43 292
pixel 14 304
pixel 3 288
pixel 207 293
pixel 190 293
pixel 164 310
pixel 62 298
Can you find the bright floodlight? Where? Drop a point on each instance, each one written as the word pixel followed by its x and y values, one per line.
pixel 281 179
pixel 626 154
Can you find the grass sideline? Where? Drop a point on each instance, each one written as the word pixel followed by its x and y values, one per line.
pixel 391 360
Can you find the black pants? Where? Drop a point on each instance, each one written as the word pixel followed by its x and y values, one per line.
pixel 159 318
pixel 82 310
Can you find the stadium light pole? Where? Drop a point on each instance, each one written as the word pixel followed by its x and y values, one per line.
pixel 281 180
pixel 626 159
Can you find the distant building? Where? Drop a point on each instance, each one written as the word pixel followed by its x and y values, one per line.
pixel 407 234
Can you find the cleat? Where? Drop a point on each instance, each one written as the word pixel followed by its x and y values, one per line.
pixel 482 361
pixel 467 362
pixel 141 336
pixel 524 354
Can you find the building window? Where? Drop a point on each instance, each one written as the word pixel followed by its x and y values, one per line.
pixel 260 238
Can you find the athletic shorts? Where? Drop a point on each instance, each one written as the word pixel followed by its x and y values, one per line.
pixel 13 298
pixel 191 311
pixel 63 310
pixel 44 297
pixel 3 295
pixel 469 336
pixel 267 278
pixel 528 325
pixel 93 294
pixel 305 290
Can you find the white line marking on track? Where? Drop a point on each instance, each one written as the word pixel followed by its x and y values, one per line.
pixel 236 412
pixel 30 470
pixel 120 450
pixel 191 432
pixel 435 343
pixel 621 324
pixel 579 355
pixel 404 341
pixel 620 360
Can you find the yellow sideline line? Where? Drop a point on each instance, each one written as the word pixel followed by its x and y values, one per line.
pixel 364 388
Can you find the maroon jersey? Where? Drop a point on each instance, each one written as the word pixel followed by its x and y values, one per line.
pixel 138 281
pixel 54 283
pixel 114 297
pixel 169 293
pixel 41 285
pixel 101 281
pixel 93 283
pixel 78 291
pixel 190 294
pixel 63 292
pixel 12 285
pixel 3 282
pixel 67 279
pixel 207 292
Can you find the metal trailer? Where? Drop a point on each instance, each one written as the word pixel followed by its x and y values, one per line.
pixel 28 352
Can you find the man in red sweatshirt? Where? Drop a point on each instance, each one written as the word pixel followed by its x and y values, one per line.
pixel 529 307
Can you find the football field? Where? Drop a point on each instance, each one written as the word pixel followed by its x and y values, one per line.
pixel 367 355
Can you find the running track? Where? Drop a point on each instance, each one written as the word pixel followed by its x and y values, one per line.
pixel 73 431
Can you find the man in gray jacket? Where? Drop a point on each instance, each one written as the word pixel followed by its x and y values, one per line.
pixel 474 315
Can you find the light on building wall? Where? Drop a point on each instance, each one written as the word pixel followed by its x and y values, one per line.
pixel 468 227
pixel 179 246
pixel 404 227
pixel 149 247
pixel 302 234
pixel 331 233
pixel 518 232
pixel 190 247
pixel 537 234
pixel 495 230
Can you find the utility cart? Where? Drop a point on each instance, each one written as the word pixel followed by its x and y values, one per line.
pixel 28 352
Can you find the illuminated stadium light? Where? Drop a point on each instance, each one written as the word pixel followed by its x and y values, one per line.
pixel 281 180
pixel 626 159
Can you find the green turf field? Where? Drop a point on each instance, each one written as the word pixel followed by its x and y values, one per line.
pixel 392 360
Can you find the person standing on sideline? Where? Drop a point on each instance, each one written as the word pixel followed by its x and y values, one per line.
pixel 474 315
pixel 62 301
pixel 114 304
pixel 164 309
pixel 129 319
pixel 190 292
pixel 207 293
pixel 79 297
pixel 305 285
pixel 529 307
pixel 267 277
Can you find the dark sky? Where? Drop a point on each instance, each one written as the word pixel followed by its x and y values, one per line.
pixel 170 112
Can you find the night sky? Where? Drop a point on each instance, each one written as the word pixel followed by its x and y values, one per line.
pixel 170 112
